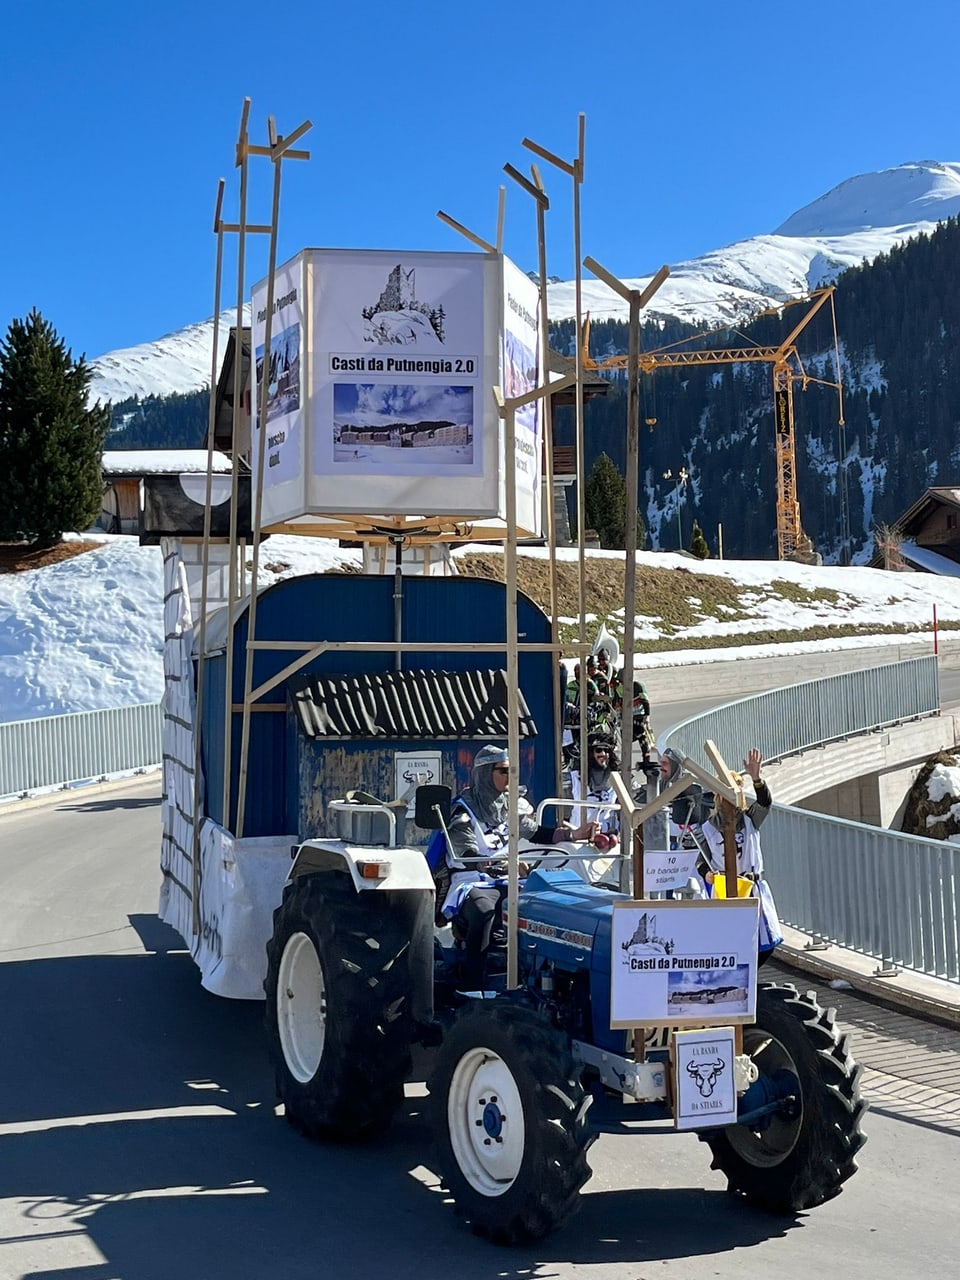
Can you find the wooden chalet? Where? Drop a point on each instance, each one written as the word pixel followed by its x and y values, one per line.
pixel 124 470
pixel 926 537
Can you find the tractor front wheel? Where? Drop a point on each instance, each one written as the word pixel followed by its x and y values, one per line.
pixel 509 1117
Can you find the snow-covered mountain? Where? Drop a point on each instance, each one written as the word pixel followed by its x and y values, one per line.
pixel 858 219
pixel 178 362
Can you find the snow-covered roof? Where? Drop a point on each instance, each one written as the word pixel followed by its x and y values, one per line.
pixel 929 560
pixel 166 462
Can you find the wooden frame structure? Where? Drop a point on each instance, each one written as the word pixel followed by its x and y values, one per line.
pixel 407 530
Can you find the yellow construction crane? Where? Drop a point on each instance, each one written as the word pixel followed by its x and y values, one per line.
pixel 792 542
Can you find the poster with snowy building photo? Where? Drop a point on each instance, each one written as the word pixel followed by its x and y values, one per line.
pixel 402 427
pixel 283 447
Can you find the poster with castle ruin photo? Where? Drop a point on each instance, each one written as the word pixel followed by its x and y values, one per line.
pixel 378 303
pixel 683 963
pixel 400 318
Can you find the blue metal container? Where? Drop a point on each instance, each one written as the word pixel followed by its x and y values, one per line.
pixel 289 779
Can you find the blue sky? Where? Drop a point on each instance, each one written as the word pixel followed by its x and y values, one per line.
pixel 705 124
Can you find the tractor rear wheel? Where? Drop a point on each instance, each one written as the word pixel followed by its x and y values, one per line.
pixel 801 1155
pixel 509 1118
pixel 338 1017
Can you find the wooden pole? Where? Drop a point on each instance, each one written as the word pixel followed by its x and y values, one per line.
pixel 575 170
pixel 205 563
pixel 278 148
pixel 636 301
pixel 263 395
pixel 729 815
pixel 581 456
pixel 559 694
pixel 513 694
pixel 539 195
pixel 507 410
pixel 630 529
pixel 234 592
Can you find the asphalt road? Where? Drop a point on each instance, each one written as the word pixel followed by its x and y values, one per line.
pixel 138 1137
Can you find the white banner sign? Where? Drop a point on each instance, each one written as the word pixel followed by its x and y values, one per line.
pixel 668 869
pixel 704 1083
pixel 681 963
pixel 380 386
pixel 522 367
pixel 283 457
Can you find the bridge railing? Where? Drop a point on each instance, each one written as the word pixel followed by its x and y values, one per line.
pixel 884 894
pixel 55 751
pixel 785 721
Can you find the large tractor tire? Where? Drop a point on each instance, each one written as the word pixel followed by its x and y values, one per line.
pixel 801 1155
pixel 338 988
pixel 509 1116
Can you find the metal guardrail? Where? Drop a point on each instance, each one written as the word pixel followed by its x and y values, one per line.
pixel 58 750
pixel 884 894
pixel 785 721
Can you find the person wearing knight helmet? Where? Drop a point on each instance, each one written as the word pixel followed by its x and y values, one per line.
pixel 471 894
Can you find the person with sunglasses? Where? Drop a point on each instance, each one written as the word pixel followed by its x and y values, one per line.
pixel 470 894
pixel 599 789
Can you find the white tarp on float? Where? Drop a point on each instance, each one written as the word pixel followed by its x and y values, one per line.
pixel 240 881
pixel 240 887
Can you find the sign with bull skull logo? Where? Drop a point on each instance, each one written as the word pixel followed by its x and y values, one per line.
pixel 412 770
pixel 704 1085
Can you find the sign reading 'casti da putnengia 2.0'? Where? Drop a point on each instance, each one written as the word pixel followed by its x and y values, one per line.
pixel 380 393
pixel 683 963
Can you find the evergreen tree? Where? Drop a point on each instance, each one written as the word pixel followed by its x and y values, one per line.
pixel 50 442
pixel 176 421
pixel 605 503
pixel 698 543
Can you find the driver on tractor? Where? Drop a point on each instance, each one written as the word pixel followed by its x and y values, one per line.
pixel 470 894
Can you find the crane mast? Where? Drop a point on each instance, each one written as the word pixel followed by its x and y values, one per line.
pixel 792 542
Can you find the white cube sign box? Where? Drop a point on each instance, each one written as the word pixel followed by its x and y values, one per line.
pixel 380 384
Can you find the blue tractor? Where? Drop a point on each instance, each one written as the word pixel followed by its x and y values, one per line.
pixel 524 1079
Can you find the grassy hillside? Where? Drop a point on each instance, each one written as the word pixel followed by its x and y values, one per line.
pixel 673 600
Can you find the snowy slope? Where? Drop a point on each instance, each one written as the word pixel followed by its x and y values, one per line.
pixel 858 219
pixel 87 633
pixel 179 362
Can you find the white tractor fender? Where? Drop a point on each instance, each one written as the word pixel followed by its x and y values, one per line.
pixel 371 867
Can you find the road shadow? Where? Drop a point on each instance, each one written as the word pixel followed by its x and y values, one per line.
pixel 155 934
pixel 109 806
pixel 139 1115
pixel 299 1231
